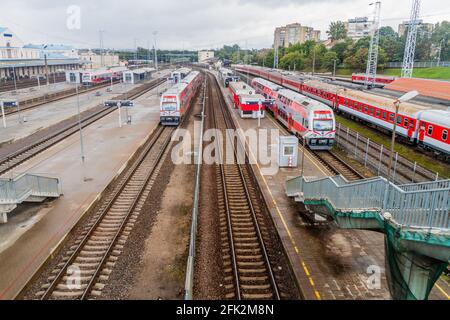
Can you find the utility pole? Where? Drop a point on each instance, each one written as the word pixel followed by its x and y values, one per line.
pixel 156 52
pixel 238 54
pixel 334 69
pixel 102 58
pixel 372 60
pixel 440 51
pixel 410 47
pixel 275 58
pixel 46 65
pixel 148 52
pixel 314 60
pixel 135 50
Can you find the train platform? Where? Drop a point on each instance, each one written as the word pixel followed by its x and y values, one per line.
pixel 329 263
pixel 35 92
pixel 30 121
pixel 29 238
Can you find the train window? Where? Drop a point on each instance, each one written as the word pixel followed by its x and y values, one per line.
pixel 444 135
pixel 384 114
pixel 366 109
pixel 377 112
pixel 391 117
pixel 405 122
pixel 430 130
pixel 399 119
pixel 411 124
pixel 371 111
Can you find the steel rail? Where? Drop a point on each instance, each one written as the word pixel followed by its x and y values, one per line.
pixel 230 124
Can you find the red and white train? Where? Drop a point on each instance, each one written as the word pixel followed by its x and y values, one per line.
pixel 303 116
pixel 246 100
pixel 89 78
pixel 176 100
pixel 380 80
pixel 423 126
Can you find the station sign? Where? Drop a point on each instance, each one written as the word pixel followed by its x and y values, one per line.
pixel 115 103
pixel 10 103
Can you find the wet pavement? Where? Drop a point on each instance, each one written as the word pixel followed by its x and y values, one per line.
pixel 107 149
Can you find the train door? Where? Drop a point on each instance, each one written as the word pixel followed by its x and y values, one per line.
pixel 422 126
pixel 411 129
pixel 290 122
pixel 275 110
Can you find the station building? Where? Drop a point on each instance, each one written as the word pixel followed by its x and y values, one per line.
pixel 137 75
pixel 91 60
pixel 205 55
pixel 27 61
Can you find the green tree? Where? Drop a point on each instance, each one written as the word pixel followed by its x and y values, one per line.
pixel 441 39
pixel 292 60
pixel 358 61
pixel 341 47
pixel 387 32
pixel 328 60
pixel 337 30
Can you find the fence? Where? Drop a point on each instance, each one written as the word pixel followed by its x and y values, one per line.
pixel 376 157
pixel 420 64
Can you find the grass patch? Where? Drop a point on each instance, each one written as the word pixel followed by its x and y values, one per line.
pixel 344 72
pixel 442 73
pixel 403 150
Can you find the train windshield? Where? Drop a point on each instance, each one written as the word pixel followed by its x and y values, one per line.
pixel 169 106
pixel 323 125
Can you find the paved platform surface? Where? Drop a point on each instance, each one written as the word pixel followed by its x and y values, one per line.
pixel 329 262
pixel 107 149
pixel 34 92
pixel 54 112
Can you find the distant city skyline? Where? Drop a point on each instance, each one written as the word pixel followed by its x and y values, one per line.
pixel 190 25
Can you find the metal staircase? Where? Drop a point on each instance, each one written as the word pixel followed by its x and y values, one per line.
pixel 26 188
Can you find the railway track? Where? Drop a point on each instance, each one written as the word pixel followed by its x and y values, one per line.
pixel 405 172
pixel 31 150
pixel 251 264
pixel 21 84
pixel 52 97
pixel 337 165
pixel 87 264
pixel 404 168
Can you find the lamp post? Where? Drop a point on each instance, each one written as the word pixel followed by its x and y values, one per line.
pixel 259 112
pixel 79 124
pixel 3 114
pixel 14 77
pixel 155 51
pixel 407 96
pixel 46 65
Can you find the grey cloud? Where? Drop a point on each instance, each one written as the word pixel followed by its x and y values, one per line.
pixel 188 23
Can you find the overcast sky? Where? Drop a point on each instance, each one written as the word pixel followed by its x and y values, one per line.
pixel 191 24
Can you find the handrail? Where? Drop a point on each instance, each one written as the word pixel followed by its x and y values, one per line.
pixel 15 190
pixel 427 205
